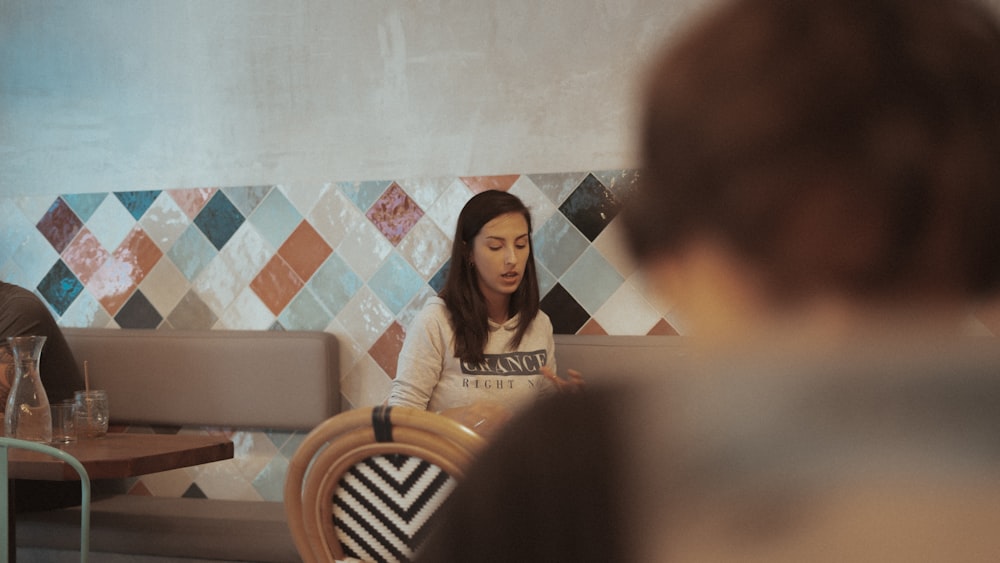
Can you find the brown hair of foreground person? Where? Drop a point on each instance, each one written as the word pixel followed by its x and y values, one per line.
pixel 844 145
pixel 828 147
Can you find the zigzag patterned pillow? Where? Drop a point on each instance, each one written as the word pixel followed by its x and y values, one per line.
pixel 383 506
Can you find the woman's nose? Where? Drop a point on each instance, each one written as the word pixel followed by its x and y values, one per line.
pixel 510 257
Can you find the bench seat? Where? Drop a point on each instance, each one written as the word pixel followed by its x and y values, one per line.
pixel 209 529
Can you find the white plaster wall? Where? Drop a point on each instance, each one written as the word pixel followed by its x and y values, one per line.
pixel 102 95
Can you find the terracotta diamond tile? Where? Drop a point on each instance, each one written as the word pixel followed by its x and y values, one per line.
pixel 663 328
pixel 85 255
pixel 59 225
pixel 192 201
pixel 593 327
pixel 484 183
pixel 386 349
pixel 140 252
pixel 305 250
pixel 394 213
pixel 276 284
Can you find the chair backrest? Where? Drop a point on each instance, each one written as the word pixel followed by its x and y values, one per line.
pixel 366 483
pixel 5 445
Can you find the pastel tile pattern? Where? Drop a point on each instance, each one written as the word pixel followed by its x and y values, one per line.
pixel 357 259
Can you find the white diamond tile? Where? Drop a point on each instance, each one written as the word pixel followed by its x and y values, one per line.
pixel 164 221
pixel 611 244
pixel 364 249
pixel 334 215
pixel 540 206
pixel 425 191
pixel 246 312
pixel 627 312
pixel 366 384
pixel 303 196
pixel 367 316
pixel 35 257
pixel 85 312
pixel 111 223
pixel 446 209
pixel 425 247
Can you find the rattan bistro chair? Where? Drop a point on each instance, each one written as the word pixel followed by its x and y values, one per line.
pixel 7 443
pixel 365 484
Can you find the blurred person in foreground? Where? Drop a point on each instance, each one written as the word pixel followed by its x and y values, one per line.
pixel 820 198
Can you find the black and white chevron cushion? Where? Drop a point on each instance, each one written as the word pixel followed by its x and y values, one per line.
pixel 383 506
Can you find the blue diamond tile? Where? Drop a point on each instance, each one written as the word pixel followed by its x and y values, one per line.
pixel 59 287
pixel 437 280
pixel 84 205
pixel 137 202
pixel 395 283
pixel 590 207
pixel 335 283
pixel 219 219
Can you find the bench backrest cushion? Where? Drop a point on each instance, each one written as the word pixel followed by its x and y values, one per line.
pixel 227 378
pixel 609 358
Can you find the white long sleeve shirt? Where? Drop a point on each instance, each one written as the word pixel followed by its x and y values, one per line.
pixel 429 376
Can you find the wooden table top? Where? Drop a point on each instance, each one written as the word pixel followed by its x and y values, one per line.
pixel 117 455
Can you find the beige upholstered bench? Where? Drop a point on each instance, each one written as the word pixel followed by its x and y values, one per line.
pixel 222 378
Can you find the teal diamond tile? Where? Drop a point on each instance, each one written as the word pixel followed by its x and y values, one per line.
pixel 558 244
pixel 334 283
pixel 192 252
pixel 275 218
pixel 395 283
pixel 305 312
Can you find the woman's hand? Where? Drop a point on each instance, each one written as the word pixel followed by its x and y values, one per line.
pixel 572 385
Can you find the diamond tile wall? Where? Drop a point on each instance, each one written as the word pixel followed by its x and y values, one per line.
pixel 356 259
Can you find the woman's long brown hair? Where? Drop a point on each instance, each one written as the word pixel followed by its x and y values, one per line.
pixel 461 293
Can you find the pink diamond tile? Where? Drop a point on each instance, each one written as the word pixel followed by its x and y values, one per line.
pixel 394 214
pixel 59 225
pixel 112 284
pixel 115 280
pixel 386 349
pixel 484 183
pixel 85 255
pixel 276 284
pixel 192 200
pixel 305 250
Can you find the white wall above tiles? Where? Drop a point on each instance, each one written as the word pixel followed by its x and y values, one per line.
pixel 128 95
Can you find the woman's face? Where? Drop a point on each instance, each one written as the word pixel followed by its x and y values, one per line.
pixel 500 255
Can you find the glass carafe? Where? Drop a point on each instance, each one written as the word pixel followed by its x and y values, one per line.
pixel 27 416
